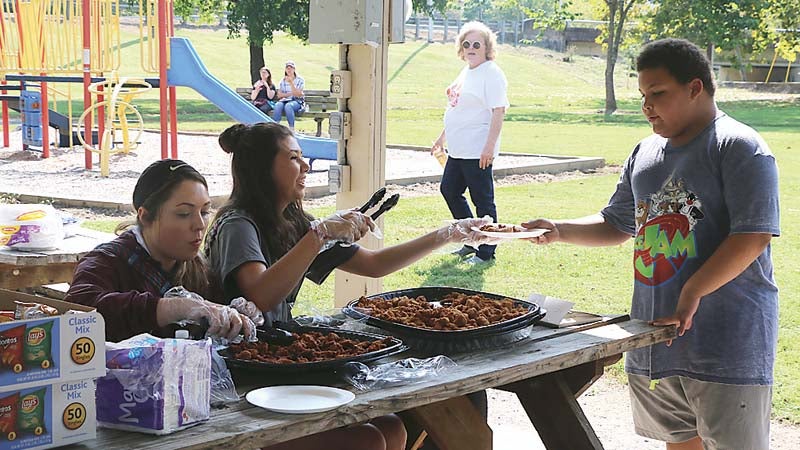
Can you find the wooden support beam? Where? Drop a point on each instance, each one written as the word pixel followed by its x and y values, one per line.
pixel 453 424
pixel 551 404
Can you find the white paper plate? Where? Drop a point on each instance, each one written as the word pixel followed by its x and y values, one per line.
pixel 299 399
pixel 530 233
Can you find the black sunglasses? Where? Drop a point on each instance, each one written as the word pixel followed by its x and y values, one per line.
pixel 476 45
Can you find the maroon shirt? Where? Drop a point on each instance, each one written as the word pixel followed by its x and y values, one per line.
pixel 124 284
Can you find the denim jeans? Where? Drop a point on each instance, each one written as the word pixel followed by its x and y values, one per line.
pixel 291 109
pixel 460 175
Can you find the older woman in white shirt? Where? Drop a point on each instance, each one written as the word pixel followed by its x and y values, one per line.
pixel 477 103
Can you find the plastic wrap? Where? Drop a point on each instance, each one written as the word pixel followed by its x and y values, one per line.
pixel 404 371
pixel 154 385
pixel 222 388
pixel 331 318
pixel 30 227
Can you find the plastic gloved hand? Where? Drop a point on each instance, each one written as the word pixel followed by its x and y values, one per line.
pixel 249 309
pixel 345 226
pixel 178 304
pixel 461 231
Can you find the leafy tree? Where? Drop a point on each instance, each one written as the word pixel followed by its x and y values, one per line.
pixel 780 26
pixel 726 25
pixel 261 19
pixel 208 10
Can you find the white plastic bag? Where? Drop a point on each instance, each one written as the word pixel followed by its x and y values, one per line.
pixel 30 227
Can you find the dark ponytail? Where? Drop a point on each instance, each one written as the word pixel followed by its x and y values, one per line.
pixel 254 149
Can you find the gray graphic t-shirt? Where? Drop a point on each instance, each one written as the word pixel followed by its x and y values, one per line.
pixel 680 203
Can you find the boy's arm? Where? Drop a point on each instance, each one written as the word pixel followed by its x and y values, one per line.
pixel 591 231
pixel 730 259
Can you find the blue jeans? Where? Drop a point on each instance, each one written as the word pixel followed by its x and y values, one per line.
pixel 291 108
pixel 460 175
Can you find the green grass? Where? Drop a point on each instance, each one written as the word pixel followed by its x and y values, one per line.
pixel 555 110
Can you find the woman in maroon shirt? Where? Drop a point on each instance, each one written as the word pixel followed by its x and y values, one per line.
pixel 126 279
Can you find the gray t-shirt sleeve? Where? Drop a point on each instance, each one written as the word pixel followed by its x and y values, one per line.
pixel 619 212
pixel 750 186
pixel 237 243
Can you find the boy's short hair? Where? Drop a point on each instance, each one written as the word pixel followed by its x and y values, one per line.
pixel 681 58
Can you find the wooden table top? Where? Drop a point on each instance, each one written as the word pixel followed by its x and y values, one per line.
pixel 71 250
pixel 242 425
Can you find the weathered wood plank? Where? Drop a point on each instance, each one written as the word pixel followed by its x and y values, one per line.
pixel 18 277
pixel 71 249
pixel 247 427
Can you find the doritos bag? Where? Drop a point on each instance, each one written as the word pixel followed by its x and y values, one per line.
pixel 9 407
pixel 11 348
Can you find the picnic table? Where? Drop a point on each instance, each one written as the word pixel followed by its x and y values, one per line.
pixel 547 371
pixel 21 269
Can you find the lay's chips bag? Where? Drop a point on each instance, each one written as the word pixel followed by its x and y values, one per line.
pixel 30 418
pixel 38 349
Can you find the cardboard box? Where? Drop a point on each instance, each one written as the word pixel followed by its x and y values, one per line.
pixel 48 416
pixel 50 350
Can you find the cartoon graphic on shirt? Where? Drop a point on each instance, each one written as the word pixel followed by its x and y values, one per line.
pixel 454 93
pixel 665 236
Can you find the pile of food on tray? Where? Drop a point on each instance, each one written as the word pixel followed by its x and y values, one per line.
pixel 306 348
pixel 456 311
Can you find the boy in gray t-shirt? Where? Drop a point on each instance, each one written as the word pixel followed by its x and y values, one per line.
pixel 701 199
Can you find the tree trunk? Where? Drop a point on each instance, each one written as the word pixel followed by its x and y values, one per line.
pixel 611 58
pixel 611 99
pixel 256 61
pixel 710 53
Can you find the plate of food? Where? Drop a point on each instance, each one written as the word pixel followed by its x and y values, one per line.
pixel 509 231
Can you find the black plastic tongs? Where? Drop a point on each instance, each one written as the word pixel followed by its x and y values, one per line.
pixel 375 199
pixel 325 262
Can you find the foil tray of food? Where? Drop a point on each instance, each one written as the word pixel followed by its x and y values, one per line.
pixel 306 348
pixel 444 313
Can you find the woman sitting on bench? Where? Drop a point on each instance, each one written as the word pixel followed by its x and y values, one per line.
pixel 264 94
pixel 291 99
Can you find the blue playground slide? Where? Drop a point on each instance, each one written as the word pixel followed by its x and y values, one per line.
pixel 186 69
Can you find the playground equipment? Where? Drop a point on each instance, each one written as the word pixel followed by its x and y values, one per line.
pixel 45 40
pixel 117 119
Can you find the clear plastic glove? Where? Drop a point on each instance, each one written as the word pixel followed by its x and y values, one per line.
pixel 461 231
pixel 249 309
pixel 344 226
pixel 178 305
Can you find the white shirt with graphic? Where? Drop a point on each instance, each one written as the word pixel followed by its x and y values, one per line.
pixel 470 100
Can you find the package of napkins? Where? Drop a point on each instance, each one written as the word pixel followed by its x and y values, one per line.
pixel 155 385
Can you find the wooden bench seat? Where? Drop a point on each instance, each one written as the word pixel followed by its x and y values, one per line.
pixel 319 104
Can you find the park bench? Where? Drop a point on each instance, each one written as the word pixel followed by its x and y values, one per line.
pixel 319 104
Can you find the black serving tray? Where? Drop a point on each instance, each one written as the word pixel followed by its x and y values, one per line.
pixel 436 294
pixel 331 365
